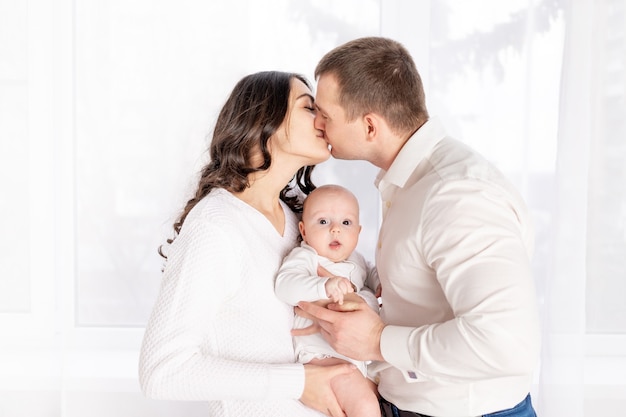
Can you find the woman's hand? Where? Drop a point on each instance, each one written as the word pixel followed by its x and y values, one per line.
pixel 318 393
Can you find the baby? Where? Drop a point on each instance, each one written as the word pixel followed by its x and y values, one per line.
pixel 324 268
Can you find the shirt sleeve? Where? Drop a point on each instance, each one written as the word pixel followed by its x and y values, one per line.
pixel 297 278
pixel 372 281
pixel 175 363
pixel 473 236
pixel 369 286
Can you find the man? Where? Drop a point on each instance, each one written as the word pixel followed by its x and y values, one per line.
pixel 458 333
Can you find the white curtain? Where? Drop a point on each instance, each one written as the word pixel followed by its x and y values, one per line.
pixel 562 376
pixel 105 109
pixel 562 389
pixel 585 320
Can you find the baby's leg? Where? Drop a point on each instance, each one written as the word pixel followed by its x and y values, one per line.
pixel 356 394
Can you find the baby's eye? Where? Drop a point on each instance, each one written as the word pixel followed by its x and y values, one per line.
pixel 346 222
pixel 323 221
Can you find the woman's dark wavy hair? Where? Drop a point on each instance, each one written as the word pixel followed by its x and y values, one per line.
pixel 256 108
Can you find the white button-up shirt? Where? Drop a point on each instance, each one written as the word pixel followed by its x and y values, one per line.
pixel 457 291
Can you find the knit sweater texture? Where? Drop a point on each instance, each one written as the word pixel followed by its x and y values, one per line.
pixel 217 332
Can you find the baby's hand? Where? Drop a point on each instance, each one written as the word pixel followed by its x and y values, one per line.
pixel 336 287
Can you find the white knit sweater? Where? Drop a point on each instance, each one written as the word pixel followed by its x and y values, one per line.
pixel 217 332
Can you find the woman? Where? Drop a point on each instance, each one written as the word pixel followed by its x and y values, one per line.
pixel 217 332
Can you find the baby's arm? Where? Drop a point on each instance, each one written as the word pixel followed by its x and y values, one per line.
pixel 337 287
pixel 297 278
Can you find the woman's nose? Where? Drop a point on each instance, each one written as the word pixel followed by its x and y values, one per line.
pixel 318 123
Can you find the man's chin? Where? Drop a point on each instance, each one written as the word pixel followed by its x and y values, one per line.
pixel 336 154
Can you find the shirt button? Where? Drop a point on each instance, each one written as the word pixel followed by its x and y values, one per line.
pixel 388 204
pixel 380 244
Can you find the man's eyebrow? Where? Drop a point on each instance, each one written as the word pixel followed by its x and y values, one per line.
pixel 317 106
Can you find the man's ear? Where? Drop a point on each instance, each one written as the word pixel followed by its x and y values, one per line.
pixel 371 122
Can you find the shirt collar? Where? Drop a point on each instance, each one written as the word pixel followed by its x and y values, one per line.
pixel 416 148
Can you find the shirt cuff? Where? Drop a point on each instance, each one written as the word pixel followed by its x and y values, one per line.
pixel 394 346
pixel 286 381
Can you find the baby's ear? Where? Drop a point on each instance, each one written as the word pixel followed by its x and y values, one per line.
pixel 302 231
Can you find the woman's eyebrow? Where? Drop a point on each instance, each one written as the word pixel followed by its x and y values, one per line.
pixel 306 95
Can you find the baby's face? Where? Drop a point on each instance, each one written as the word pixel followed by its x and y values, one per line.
pixel 330 223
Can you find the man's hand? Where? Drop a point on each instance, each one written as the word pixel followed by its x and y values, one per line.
pixel 318 393
pixel 351 302
pixel 351 328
